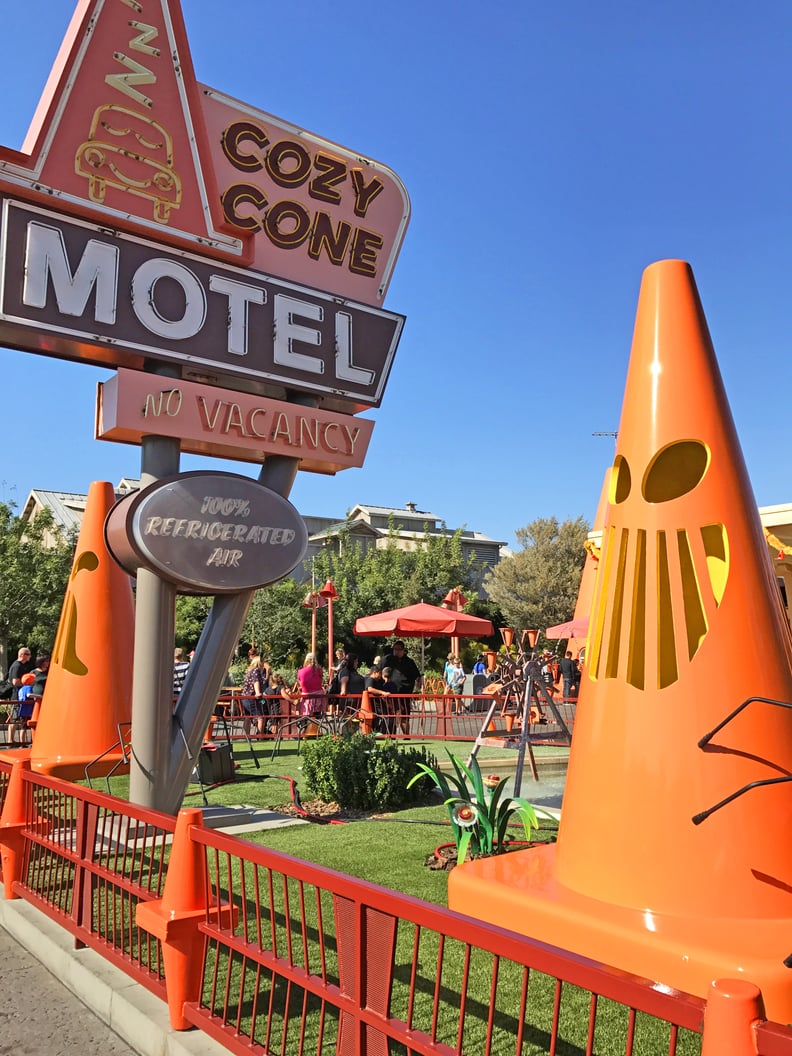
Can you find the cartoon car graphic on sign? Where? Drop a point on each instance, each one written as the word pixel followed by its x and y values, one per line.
pixel 133 153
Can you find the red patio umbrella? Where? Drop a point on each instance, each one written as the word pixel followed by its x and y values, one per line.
pixel 424 621
pixel 571 629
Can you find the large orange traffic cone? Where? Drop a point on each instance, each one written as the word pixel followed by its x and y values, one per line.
pixel 687 623
pixel 89 686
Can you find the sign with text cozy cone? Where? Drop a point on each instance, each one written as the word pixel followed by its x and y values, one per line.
pixel 89 686
pixel 686 624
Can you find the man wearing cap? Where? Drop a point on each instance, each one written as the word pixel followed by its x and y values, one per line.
pixel 406 677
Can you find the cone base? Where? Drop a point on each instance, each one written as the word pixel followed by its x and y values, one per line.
pixel 67 769
pixel 13 755
pixel 73 769
pixel 519 891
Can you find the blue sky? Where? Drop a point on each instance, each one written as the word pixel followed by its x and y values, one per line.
pixel 551 152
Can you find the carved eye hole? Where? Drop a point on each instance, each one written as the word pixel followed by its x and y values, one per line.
pixel 675 470
pixel 620 481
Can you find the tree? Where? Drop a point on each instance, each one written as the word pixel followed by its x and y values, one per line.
pixel 538 586
pixel 36 562
pixel 278 624
pixel 191 613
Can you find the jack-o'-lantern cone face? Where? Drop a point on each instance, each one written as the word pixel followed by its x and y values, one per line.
pixel 679 499
pixel 660 575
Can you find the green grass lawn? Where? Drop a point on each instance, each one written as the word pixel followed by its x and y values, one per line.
pixel 385 849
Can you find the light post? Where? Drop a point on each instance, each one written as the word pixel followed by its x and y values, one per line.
pixel 456 601
pixel 313 601
pixel 329 594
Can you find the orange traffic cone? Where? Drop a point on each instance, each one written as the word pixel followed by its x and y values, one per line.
pixel 174 919
pixel 588 577
pixel 89 686
pixel 13 820
pixel 366 713
pixel 687 623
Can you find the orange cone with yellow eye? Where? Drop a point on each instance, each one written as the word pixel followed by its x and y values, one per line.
pixel 89 685
pixel 686 624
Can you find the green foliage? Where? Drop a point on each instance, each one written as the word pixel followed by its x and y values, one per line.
pixel 278 624
pixel 36 562
pixel 362 773
pixel 191 616
pixel 538 586
pixel 479 814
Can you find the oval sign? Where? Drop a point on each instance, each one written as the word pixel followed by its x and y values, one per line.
pixel 208 533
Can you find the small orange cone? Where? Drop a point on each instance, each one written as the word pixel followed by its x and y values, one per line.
pixel 175 917
pixel 734 1007
pixel 89 686
pixel 12 821
pixel 686 624
pixel 366 714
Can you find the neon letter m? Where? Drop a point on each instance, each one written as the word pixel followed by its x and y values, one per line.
pixel 46 256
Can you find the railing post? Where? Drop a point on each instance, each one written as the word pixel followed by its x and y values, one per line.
pixel 12 822
pixel 174 919
pixel 734 1006
pixel 366 940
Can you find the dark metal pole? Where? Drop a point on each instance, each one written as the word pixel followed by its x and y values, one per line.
pixel 155 612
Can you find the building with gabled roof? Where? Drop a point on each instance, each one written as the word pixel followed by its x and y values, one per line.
pixel 373 526
pixel 364 525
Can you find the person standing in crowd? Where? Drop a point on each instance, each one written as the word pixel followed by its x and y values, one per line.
pixel 252 697
pixel 31 690
pixel 334 679
pixel 404 674
pixel 282 707
pixel 548 673
pixel 380 701
pixel 264 667
pixel 568 673
pixel 479 668
pixel 23 665
pixel 448 667
pixel 311 680
pixel 41 670
pixel 352 682
pixel 180 667
pixel 455 684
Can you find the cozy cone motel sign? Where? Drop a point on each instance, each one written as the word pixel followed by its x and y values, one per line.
pixel 149 218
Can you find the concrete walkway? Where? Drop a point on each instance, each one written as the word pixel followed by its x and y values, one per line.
pixel 60 1001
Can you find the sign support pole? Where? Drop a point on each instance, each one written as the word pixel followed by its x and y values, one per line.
pixel 155 617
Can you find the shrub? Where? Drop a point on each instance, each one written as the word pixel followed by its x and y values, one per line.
pixel 362 773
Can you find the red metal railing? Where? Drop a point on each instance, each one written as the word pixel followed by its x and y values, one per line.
pixel 88 860
pixel 317 960
pixel 293 958
pixel 429 716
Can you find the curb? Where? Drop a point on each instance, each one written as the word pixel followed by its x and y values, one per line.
pixel 126 1007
